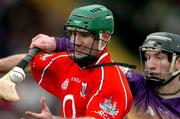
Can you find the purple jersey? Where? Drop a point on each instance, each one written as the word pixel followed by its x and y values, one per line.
pixel 147 104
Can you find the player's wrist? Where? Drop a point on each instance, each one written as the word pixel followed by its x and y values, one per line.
pixel 57 44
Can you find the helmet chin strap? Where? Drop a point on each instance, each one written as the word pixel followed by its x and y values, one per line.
pixel 173 76
pixel 156 82
pixel 173 60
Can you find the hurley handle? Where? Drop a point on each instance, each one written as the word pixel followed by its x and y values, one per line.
pixel 24 62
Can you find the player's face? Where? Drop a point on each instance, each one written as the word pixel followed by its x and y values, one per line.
pixel 157 64
pixel 85 44
pixel 177 64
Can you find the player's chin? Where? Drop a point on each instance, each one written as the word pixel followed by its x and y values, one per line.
pixel 158 77
pixel 79 56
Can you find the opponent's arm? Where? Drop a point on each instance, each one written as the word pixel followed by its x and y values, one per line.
pixel 41 41
pixel 7 63
pixel 51 44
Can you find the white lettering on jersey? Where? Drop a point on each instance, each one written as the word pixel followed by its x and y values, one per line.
pixel 75 79
pixel 102 114
pixel 66 98
pixel 44 57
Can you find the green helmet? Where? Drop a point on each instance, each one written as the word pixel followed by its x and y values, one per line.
pixel 92 18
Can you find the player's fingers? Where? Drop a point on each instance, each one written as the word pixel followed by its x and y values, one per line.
pixel 33 44
pixel 36 37
pixel 42 36
pixel 33 114
pixel 44 104
pixel 39 44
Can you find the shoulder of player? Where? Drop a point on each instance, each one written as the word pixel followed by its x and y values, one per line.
pixel 113 72
pixel 116 72
pixel 61 54
pixel 58 55
pixel 116 68
pixel 51 57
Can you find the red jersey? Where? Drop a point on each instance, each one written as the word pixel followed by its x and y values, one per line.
pixel 102 92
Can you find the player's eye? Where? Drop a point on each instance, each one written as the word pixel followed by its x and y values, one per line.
pixel 86 34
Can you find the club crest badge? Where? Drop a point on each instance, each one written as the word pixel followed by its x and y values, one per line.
pixel 83 90
pixel 151 43
pixel 108 107
pixel 65 84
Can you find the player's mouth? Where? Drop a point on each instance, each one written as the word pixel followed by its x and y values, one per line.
pixel 153 74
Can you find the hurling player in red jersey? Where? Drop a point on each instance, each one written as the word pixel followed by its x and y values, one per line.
pixel 80 78
pixel 84 79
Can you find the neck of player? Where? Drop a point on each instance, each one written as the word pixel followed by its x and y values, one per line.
pixel 170 90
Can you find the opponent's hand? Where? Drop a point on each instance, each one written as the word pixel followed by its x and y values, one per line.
pixel 45 113
pixel 8 89
pixel 43 42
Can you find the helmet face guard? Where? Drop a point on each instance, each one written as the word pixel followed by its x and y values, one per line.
pixel 90 53
pixel 161 42
pixel 92 20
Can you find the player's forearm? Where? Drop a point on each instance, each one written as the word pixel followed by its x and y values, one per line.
pixel 9 62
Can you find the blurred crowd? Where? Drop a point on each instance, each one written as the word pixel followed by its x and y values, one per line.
pixel 21 20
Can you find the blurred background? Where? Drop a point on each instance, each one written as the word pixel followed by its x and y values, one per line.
pixel 21 20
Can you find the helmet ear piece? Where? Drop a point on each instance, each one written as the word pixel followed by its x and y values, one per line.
pixel 104 38
pixel 107 36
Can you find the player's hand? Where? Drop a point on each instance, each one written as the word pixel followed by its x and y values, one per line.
pixel 8 89
pixel 45 113
pixel 43 42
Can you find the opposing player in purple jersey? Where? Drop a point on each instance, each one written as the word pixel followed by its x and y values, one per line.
pixel 156 90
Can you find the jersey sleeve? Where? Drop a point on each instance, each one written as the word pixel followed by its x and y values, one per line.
pixel 113 98
pixel 44 72
pixel 136 81
pixel 63 44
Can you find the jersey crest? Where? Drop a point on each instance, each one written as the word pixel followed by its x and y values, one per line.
pixel 108 107
pixel 83 90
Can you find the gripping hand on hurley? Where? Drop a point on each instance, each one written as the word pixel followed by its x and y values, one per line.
pixel 8 84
